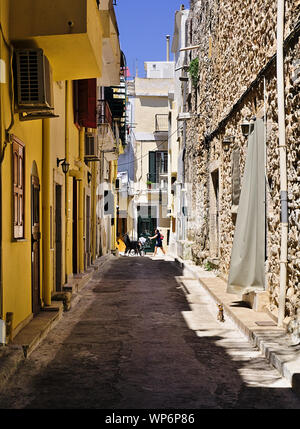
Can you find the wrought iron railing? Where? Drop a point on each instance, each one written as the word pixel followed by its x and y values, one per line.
pixel 156 181
pixel 104 113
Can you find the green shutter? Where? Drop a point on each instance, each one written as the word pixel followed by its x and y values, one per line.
pixel 152 167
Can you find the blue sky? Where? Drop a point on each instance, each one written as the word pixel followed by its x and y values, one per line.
pixel 143 26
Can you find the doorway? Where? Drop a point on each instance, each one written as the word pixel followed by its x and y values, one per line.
pixel 75 227
pixel 214 214
pixel 35 244
pixel 87 232
pixel 147 223
pixel 58 237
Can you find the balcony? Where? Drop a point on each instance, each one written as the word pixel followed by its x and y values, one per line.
pixel 111 53
pixel 104 113
pixel 106 128
pixel 158 181
pixel 161 123
pixel 68 31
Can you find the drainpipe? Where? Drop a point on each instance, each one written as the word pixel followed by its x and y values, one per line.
pixel 68 211
pixel 93 210
pixel 184 219
pixel 4 141
pixel 283 167
pixel 46 175
pixel 81 202
pixel 1 222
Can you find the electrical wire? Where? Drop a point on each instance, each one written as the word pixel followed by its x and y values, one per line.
pixel 158 146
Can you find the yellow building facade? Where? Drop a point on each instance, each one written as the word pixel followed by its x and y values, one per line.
pixel 53 57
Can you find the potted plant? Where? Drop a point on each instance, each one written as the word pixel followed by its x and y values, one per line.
pixel 149 184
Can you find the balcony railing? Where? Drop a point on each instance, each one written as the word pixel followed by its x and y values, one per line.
pixel 104 113
pixel 161 123
pixel 157 181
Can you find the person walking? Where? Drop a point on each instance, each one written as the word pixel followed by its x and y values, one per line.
pixel 158 242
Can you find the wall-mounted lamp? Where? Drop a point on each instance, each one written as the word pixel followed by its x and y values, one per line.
pixel 228 140
pixel 247 126
pixel 89 177
pixel 64 165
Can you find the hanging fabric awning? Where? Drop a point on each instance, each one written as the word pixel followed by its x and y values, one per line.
pixel 248 251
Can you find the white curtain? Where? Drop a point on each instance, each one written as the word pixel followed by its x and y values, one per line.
pixel 248 252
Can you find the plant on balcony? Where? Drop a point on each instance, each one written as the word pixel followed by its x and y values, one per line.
pixel 194 71
pixel 149 184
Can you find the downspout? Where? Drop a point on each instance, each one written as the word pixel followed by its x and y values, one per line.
pixel 266 180
pixel 1 149
pixel 46 176
pixel 5 138
pixel 183 215
pixel 282 155
pixel 81 201
pixel 93 210
pixel 68 211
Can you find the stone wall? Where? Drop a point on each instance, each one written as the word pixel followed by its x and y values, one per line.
pixel 237 41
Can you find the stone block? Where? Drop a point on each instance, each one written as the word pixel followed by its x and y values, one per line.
pixel 258 300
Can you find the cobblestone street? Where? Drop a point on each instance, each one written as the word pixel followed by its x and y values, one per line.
pixel 134 342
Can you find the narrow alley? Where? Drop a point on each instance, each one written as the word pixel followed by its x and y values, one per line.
pixel 134 342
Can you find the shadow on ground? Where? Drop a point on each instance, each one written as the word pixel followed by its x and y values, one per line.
pixel 131 348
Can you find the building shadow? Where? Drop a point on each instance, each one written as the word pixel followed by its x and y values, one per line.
pixel 127 345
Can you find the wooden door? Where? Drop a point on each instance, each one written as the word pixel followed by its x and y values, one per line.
pixel 75 226
pixel 58 238
pixel 214 214
pixel 35 244
pixel 87 231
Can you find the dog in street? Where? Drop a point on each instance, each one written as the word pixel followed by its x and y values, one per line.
pixel 131 245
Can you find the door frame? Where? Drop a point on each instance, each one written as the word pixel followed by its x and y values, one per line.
pixel 35 242
pixel 214 210
pixel 58 233
pixel 152 221
pixel 75 258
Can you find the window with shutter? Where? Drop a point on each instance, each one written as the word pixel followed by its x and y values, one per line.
pixel 158 165
pixel 87 103
pixel 152 167
pixel 108 203
pixel 18 165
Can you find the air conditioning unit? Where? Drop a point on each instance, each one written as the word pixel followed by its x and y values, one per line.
pixel 91 148
pixel 33 80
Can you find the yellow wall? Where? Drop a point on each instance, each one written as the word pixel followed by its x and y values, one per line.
pixel 46 25
pixel 17 254
pixel 45 141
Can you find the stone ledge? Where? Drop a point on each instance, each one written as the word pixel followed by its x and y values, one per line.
pixel 36 330
pixel 257 326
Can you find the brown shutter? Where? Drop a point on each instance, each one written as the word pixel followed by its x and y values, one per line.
pixel 18 188
pixel 87 103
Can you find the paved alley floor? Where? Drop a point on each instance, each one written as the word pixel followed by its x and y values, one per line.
pixel 133 341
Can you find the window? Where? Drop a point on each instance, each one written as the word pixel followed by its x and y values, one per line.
pixel 158 167
pixel 85 103
pixel 18 166
pixel 108 203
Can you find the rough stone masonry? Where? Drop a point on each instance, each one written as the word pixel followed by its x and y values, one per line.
pixel 237 80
